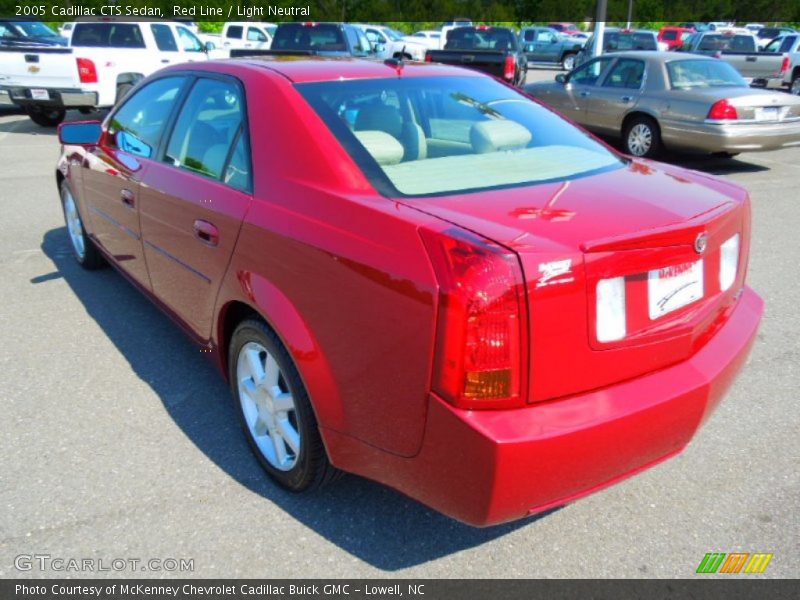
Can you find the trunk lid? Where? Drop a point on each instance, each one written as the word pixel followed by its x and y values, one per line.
pixel 569 235
pixel 38 67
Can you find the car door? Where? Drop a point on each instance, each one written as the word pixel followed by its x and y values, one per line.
pixel 194 198
pixel 545 49
pixel 579 87
pixel 618 93
pixel 165 42
pixel 256 38
pixel 113 170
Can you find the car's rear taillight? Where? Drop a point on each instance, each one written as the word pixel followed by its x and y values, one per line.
pixel 87 72
pixel 428 57
pixel 481 335
pixel 509 68
pixel 785 65
pixel 611 317
pixel 723 110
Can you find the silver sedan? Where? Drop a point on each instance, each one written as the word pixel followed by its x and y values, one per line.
pixel 679 101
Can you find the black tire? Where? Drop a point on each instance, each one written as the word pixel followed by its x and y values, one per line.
pixel 646 131
pixel 312 469
pixel 725 154
pixel 122 91
pixel 46 116
pixel 794 87
pixel 568 61
pixel 89 257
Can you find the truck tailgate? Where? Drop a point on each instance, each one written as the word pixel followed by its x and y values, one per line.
pixel 38 67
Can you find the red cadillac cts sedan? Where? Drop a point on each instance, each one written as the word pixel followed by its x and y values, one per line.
pixel 418 274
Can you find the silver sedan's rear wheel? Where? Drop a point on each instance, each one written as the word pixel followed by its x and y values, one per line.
pixel 795 87
pixel 274 409
pixel 642 137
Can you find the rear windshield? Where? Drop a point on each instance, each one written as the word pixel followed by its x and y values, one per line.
pixel 107 35
pixel 732 43
pixel 322 37
pixel 467 38
pixel 699 73
pixel 423 136
pixel 629 41
pixel 670 35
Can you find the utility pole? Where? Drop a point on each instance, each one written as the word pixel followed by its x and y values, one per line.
pixel 599 26
pixel 630 14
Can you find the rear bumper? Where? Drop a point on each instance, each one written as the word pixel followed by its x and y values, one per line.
pixel 734 137
pixel 488 467
pixel 59 97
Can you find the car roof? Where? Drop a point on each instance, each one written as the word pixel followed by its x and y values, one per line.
pixel 658 55
pixel 306 69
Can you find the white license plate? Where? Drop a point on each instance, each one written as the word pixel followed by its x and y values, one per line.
pixel 671 288
pixel 37 94
pixel 767 113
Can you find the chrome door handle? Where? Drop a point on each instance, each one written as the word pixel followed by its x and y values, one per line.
pixel 206 232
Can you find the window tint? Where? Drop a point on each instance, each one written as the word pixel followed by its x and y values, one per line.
pixel 616 41
pixel 627 73
pixel 255 35
pixel 788 43
pixel 107 35
pixel 439 135
pixel 295 36
pixel 234 32
pixel 137 126
pixel 588 74
pixel 189 41
pixel 164 38
pixel 206 127
pixel 237 173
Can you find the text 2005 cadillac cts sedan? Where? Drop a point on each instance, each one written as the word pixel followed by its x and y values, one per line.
pixel 419 275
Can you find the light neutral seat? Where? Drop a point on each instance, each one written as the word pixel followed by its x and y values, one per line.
pixel 494 135
pixel 384 148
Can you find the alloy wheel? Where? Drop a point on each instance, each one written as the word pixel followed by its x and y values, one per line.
pixel 268 406
pixel 74 225
pixel 640 139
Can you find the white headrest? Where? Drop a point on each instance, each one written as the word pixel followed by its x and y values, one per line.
pixel 491 136
pixel 385 149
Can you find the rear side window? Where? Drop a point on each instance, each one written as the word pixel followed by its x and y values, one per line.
pixel 137 127
pixel 165 41
pixel 321 37
pixel 234 32
pixel 107 35
pixel 207 127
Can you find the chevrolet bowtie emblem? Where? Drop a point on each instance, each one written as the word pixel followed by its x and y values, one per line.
pixel 33 69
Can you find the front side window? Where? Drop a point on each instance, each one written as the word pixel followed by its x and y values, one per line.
pixel 206 128
pixel 138 125
pixel 627 73
pixel 165 41
pixel 375 36
pixel 699 73
pixel 189 41
pixel 421 136
pixel 255 35
pixel 589 73
pixel 545 37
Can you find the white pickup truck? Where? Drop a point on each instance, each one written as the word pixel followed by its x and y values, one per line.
pixel 103 62
pixel 247 34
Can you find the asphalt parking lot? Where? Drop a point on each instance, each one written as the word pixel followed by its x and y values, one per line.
pixel 119 440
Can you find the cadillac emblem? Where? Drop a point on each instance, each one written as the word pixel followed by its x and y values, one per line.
pixel 701 242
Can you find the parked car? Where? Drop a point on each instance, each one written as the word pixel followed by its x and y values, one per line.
pixel 428 38
pixel 247 34
pixel 754 27
pixel 325 39
pixel 493 50
pixel 565 28
pixel 696 25
pixel 545 46
pixel 674 37
pixel 448 26
pixel 681 102
pixel 15 33
pixel 619 40
pixel 766 34
pixel 104 62
pixel 389 43
pixel 740 50
pixel 374 265
pixel 787 47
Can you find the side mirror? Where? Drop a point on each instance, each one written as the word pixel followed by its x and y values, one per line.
pixel 81 133
pixel 209 46
pixel 561 78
